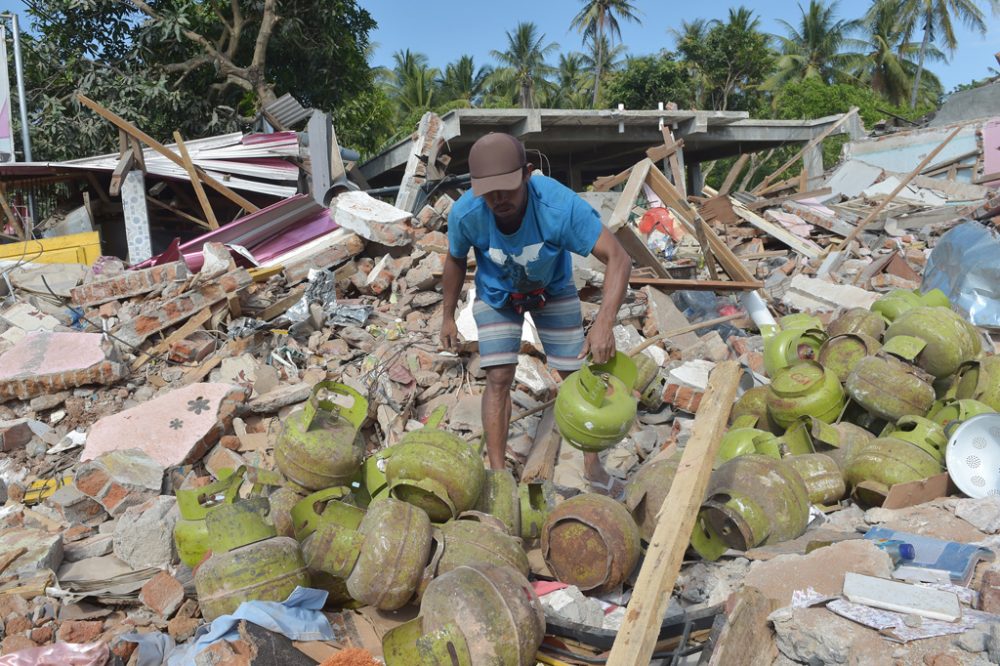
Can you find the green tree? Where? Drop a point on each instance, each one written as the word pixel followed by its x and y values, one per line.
pixel 936 19
pixel 571 83
pixel 411 84
pixel 885 58
pixel 523 68
pixel 645 81
pixel 606 58
pixel 688 39
pixel 463 81
pixel 734 57
pixel 597 20
pixel 813 48
pixel 198 67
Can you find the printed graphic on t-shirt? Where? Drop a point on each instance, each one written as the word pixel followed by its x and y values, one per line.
pixel 518 268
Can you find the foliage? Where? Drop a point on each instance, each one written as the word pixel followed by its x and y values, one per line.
pixel 813 49
pixel 522 65
pixel 732 60
pixel 597 21
pixel 647 80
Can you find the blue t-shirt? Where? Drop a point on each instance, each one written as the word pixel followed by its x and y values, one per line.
pixel 536 256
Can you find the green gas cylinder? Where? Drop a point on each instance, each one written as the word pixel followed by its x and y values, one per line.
pixel 191 531
pixel 805 389
pixel 320 446
pixel 594 410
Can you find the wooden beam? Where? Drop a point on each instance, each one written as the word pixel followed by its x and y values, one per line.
pixel 138 134
pixel 676 166
pixel 619 216
pixel 17 224
pixel 794 196
pixel 669 284
pixel 639 251
pixel 776 231
pixel 541 463
pixel 746 640
pixel 706 251
pixel 640 629
pixel 176 211
pixel 96 186
pixel 734 173
pixel 125 164
pixel 815 142
pixel 199 190
pixel 189 327
pixel 899 188
pixel 663 151
pixel 605 183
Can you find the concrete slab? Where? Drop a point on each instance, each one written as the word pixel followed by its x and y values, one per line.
pixel 175 428
pixel 44 362
pixel 373 219
pixel 45 550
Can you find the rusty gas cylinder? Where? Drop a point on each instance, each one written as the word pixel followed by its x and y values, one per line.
pixel 282 500
pixel 821 476
pixel 591 541
pixel 248 562
pixel 320 446
pixel 885 462
pixel 839 441
pixel 471 616
pixel 753 402
pixel 382 561
pixel 645 492
pixel 841 353
pixel 805 389
pixel 501 498
pixel 857 320
pixel 979 380
pixel 949 340
pixel 888 386
pixel 755 500
pixel 476 538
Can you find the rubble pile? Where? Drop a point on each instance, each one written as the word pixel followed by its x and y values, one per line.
pixel 213 458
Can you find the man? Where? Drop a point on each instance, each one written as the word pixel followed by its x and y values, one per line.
pixel 522 228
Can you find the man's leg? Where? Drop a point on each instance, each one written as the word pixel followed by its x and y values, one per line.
pixel 499 343
pixel 496 412
pixel 560 328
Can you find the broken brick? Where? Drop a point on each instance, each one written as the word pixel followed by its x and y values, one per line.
pixel 989 592
pixel 129 284
pixel 682 397
pixel 16 643
pixel 43 635
pixel 18 624
pixel 163 594
pixel 15 434
pixel 43 362
pixel 372 219
pixel 80 631
pixel 120 479
pixel 76 507
pixel 191 350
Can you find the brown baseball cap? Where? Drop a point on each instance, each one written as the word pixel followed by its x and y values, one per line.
pixel 495 163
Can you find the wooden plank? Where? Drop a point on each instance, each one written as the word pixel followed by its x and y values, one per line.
pixel 734 173
pixel 9 213
pixel 695 285
pixel 619 216
pixel 281 306
pixel 125 164
pixel 815 142
pixel 746 640
pixel 639 251
pixel 139 135
pixel 988 178
pixel 676 164
pixel 778 232
pixel 663 151
pixel 793 196
pixel 199 190
pixel 605 183
pixel 706 251
pixel 541 463
pixel 176 211
pixel 651 595
pixel 189 327
pixel 899 188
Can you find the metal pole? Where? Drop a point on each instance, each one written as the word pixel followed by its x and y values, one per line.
pixel 20 88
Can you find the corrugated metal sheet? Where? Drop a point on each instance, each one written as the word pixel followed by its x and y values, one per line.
pixel 286 111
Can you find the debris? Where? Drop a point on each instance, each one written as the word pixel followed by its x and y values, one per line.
pixel 901 597
pixel 144 535
pixel 44 362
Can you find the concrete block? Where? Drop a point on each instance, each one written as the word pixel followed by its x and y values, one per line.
pixel 45 550
pixel 45 362
pixel 76 507
pixel 80 631
pixel 177 427
pixel 144 536
pixel 96 546
pixel 15 434
pixel 373 220
pixel 120 479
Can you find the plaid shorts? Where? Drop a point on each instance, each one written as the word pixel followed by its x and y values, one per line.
pixel 559 325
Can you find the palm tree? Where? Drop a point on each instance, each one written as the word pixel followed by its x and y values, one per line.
pixel 523 62
pixel 934 17
pixel 813 49
pixel 461 80
pixel 598 18
pixel 603 57
pixel 690 35
pixel 885 59
pixel 570 87
pixel 410 83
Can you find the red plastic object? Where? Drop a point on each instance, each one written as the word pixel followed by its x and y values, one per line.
pixel 662 219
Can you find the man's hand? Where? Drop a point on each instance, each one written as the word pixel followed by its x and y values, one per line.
pixel 600 343
pixel 449 335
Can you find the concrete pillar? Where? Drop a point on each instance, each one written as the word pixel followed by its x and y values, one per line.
pixel 695 179
pixel 812 162
pixel 133 192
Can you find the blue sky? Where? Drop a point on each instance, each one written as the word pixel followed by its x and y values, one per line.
pixel 446 29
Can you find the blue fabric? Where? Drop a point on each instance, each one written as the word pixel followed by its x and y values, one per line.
pixel 536 256
pixel 299 617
